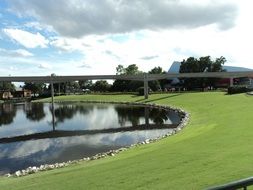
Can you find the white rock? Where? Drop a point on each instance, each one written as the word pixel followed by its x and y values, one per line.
pixel 18 173
pixel 8 175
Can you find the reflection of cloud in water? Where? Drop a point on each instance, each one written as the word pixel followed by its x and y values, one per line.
pixel 19 155
pixel 30 147
pixel 94 118
pixel 55 146
pixel 101 120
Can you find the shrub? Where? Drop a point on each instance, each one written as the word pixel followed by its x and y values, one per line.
pixel 140 91
pixel 238 89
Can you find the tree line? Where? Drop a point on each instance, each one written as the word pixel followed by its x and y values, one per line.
pixel 189 65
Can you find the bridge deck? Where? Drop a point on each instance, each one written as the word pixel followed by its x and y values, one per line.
pixel 140 77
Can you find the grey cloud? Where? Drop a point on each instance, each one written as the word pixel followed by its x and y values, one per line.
pixel 77 18
pixel 149 57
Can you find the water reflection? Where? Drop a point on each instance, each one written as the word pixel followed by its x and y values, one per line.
pixel 7 113
pixel 65 112
pixel 134 113
pixel 79 130
pixel 35 112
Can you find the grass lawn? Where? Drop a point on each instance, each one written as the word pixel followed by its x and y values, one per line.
pixel 215 148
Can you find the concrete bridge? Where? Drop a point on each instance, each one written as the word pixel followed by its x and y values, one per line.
pixel 140 77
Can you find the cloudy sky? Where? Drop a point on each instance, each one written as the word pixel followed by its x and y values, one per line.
pixel 86 37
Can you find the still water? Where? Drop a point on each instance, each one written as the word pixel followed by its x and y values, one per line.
pixel 31 136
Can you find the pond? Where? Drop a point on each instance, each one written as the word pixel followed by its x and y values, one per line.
pixel 31 136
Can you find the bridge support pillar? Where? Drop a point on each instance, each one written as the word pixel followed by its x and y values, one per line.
pixel 231 82
pixel 145 86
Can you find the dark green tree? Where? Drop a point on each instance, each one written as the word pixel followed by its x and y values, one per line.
pixel 71 87
pixel 126 85
pixel 85 84
pixel 203 64
pixel 7 86
pixel 157 85
pixel 36 88
pixel 101 86
pixel 120 70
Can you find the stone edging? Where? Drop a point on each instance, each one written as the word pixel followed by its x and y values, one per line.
pixel 184 120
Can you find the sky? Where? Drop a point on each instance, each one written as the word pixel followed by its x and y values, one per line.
pixel 92 37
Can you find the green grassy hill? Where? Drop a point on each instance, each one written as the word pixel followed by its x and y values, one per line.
pixel 214 148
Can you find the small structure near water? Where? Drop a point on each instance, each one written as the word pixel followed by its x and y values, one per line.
pixel 5 95
pixel 22 93
pixel 19 93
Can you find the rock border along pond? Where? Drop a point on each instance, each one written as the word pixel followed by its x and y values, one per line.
pixel 184 118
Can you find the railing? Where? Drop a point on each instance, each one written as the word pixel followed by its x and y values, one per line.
pixel 241 184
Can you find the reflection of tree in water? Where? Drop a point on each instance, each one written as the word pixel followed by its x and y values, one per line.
pixel 158 116
pixel 35 112
pixel 7 113
pixel 63 112
pixel 129 114
pixel 134 113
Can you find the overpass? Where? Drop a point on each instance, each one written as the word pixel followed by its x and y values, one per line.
pixel 140 77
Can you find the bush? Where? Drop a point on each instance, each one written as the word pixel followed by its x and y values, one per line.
pixel 238 89
pixel 140 91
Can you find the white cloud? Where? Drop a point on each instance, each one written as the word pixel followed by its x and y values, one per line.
pixel 146 48
pixel 66 44
pixel 83 17
pixel 27 39
pixel 38 26
pixel 84 65
pixel 44 66
pixel 13 68
pixel 15 53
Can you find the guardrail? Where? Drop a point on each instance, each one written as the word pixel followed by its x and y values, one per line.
pixel 240 184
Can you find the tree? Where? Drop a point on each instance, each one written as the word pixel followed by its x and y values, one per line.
pixel 7 86
pixel 157 85
pixel 203 64
pixel 58 88
pixel 36 88
pixel 72 86
pixel 156 70
pixel 101 86
pixel 120 70
pixel 85 84
pixel 126 85
pixel 132 70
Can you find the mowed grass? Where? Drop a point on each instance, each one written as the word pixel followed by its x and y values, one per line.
pixel 215 148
